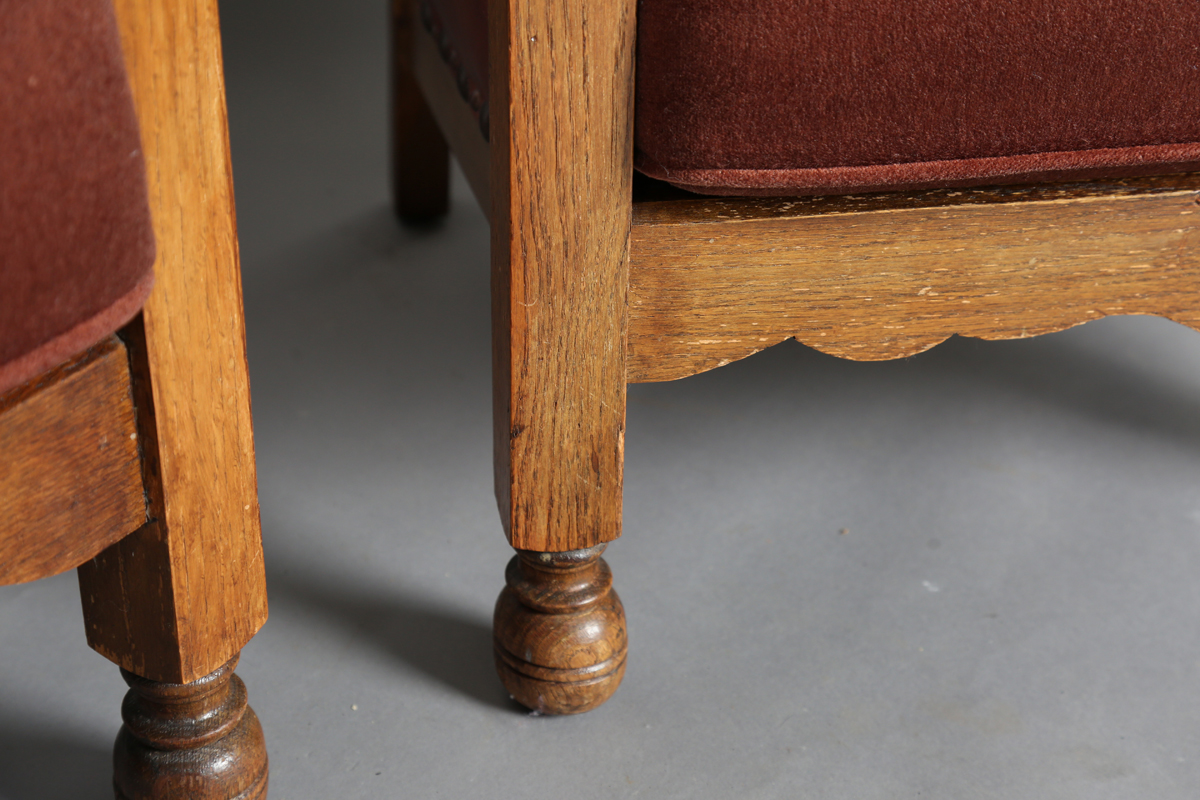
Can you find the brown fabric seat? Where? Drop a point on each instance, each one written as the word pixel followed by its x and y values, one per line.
pixel 808 97
pixel 76 243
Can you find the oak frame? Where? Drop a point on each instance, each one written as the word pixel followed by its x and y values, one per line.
pixel 555 180
pixel 134 461
pixel 815 269
pixel 203 541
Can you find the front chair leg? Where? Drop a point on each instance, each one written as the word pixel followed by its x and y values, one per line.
pixel 197 740
pixel 560 631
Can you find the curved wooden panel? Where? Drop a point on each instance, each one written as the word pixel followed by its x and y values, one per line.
pixel 70 476
pixel 873 278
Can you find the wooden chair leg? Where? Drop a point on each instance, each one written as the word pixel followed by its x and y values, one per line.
pixel 188 731
pixel 560 631
pixel 420 155
pixel 176 600
pixel 561 188
pixel 196 740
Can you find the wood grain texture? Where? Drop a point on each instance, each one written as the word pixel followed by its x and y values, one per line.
pixel 70 476
pixel 560 639
pixel 420 155
pixel 197 740
pixel 869 278
pixel 453 115
pixel 561 209
pixel 181 596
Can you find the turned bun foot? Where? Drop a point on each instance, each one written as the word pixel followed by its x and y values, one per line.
pixel 196 740
pixel 560 631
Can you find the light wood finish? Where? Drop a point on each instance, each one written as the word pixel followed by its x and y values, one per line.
pixel 561 209
pixel 880 277
pixel 420 155
pixel 178 598
pixel 70 476
pixel 454 116
pixel 560 640
pixel 591 289
pixel 192 740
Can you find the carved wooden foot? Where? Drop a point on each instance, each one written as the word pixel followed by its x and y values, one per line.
pixel 196 740
pixel 560 631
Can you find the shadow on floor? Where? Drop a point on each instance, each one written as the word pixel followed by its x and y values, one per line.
pixel 442 643
pixel 1070 371
pixel 45 764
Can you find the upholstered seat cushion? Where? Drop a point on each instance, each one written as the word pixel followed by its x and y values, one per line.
pixel 809 97
pixel 76 245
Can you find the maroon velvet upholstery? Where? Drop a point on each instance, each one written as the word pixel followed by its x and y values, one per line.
pixel 811 96
pixel 76 245
pixel 747 96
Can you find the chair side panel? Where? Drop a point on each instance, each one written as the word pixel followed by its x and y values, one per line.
pixel 889 276
pixel 70 476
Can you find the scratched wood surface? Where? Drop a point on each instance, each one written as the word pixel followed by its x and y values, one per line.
pixel 181 596
pixel 867 278
pixel 453 115
pixel 561 196
pixel 70 476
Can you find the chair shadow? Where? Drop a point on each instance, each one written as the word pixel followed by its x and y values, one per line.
pixel 1060 371
pixel 440 642
pixel 1063 372
pixel 336 278
pixel 46 764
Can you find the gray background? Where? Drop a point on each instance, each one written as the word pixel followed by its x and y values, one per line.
pixel 1011 613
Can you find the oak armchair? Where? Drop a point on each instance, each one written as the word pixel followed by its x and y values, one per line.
pixel 124 399
pixel 806 170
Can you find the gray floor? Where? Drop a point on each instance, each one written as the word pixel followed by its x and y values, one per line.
pixel 1011 611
